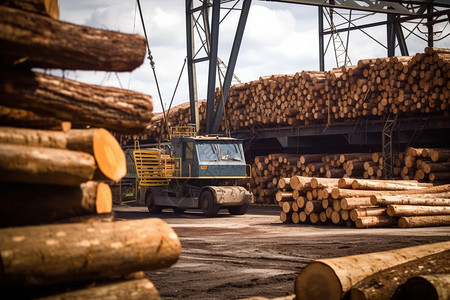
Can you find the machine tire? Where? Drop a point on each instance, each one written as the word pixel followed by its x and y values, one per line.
pixel 209 206
pixel 178 210
pixel 238 210
pixel 152 207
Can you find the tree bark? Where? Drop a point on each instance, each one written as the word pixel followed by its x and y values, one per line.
pixel 424 199
pixel 386 185
pixel 108 154
pixel 416 210
pixel 330 279
pixel 382 285
pixel 423 221
pixel 375 221
pixel 366 212
pixel 40 42
pixel 138 289
pixel 32 204
pixel 51 254
pixel 430 287
pixel 47 8
pixel 45 165
pixel 118 110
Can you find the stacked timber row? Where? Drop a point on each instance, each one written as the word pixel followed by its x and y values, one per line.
pixel 375 87
pixel 57 238
pixel 416 272
pixel 427 164
pixel 405 86
pixel 362 203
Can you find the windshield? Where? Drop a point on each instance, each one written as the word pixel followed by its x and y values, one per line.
pixel 208 152
pixel 230 152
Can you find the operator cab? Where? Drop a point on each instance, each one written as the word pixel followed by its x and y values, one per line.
pixel 210 157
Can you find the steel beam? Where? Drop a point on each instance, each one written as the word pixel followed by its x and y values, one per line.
pixel 193 98
pixel 231 65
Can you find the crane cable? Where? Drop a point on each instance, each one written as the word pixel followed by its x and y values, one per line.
pixel 152 64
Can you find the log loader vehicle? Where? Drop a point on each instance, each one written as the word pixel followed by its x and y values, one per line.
pixel 193 172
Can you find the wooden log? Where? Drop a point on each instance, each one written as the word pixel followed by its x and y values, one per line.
pixel 431 287
pixel 366 212
pixel 138 289
pixel 40 42
pixel 48 8
pixel 416 210
pixel 424 199
pixel 383 284
pixel 313 206
pixel 386 185
pixel 283 196
pixel 323 182
pixel 331 278
pixel 32 204
pixel 337 193
pixel 284 183
pixel 297 182
pixel 50 254
pixel 108 154
pixel 375 221
pixel 45 165
pixel 115 109
pixel 351 203
pixel 423 221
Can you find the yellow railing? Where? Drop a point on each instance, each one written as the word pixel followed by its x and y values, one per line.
pixel 154 168
pixel 182 131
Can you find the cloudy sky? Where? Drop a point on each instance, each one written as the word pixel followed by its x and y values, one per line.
pixel 279 38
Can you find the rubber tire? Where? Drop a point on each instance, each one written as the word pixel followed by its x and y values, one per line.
pixel 152 207
pixel 178 210
pixel 238 210
pixel 209 206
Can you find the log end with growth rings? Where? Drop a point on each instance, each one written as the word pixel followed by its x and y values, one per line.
pixel 109 155
pixel 317 281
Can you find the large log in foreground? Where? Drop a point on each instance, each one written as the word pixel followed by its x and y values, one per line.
pixel 45 165
pixel 330 279
pixel 48 8
pixel 138 289
pixel 31 204
pixel 108 154
pixel 430 287
pixel 118 110
pixel 51 254
pixel 383 284
pixel 39 41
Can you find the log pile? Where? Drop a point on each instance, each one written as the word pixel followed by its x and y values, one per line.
pixel 57 238
pixel 379 275
pixel 362 203
pixel 427 164
pixel 373 88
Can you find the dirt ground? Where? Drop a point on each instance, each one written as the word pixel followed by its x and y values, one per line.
pixel 234 257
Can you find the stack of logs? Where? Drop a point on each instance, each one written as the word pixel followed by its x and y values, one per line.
pixel 418 272
pixel 57 238
pixel 424 165
pixel 406 86
pixel 362 203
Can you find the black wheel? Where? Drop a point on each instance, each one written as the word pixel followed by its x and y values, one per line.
pixel 152 207
pixel 178 210
pixel 238 210
pixel 209 206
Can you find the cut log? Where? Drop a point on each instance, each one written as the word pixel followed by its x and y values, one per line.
pixel 375 221
pixel 45 165
pixel 32 204
pixel 430 287
pixel 382 285
pixel 284 183
pixel 386 185
pixel 351 203
pixel 139 289
pixel 115 109
pixel 416 210
pixel 337 193
pixel 366 212
pixel 423 221
pixel 51 254
pixel 297 182
pixel 48 8
pixel 425 199
pixel 40 42
pixel 323 182
pixel 330 279
pixel 108 154
pixel 25 118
